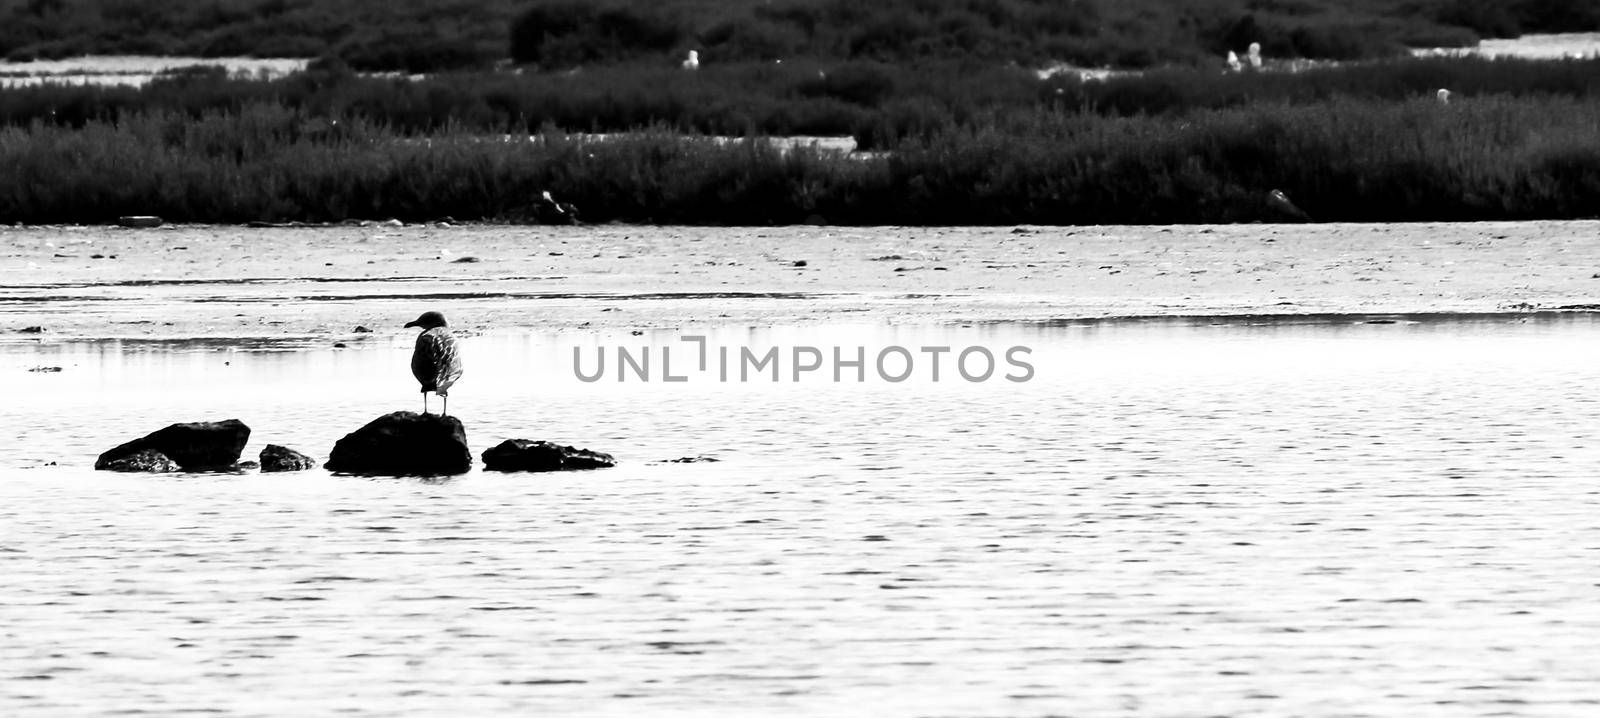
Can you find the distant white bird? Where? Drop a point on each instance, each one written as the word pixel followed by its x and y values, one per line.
pixel 1255 55
pixel 693 62
pixel 1279 201
pixel 1233 62
pixel 1443 95
pixel 548 211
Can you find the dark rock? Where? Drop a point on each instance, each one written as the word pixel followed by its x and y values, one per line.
pixel 404 443
pixel 199 446
pixel 280 458
pixel 31 330
pixel 799 262
pixel 466 260
pixel 525 455
pixel 139 221
pixel 148 461
pixel 362 330
pixel 46 369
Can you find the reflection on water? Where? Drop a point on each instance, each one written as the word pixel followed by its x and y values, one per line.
pixel 1170 518
pixel 134 70
pixel 1534 47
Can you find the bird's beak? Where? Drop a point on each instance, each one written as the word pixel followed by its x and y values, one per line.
pixel 412 323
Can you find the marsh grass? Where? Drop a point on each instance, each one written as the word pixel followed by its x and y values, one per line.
pixel 878 104
pixel 1346 160
pixel 1340 160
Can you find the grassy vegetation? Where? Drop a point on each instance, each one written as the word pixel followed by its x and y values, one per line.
pixel 1340 160
pixel 408 35
pixel 974 135
pixel 435 35
pixel 879 104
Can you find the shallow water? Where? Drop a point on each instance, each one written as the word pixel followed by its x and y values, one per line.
pixel 135 70
pixel 1532 47
pixel 1316 517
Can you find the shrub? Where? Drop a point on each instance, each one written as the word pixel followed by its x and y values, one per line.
pixel 567 33
pixel 862 83
pixel 1341 160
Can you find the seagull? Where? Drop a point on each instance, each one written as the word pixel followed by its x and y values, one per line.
pixel 436 362
pixel 1233 62
pixel 1255 55
pixel 1443 95
pixel 693 63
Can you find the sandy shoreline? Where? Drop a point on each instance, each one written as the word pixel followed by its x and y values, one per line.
pixel 205 281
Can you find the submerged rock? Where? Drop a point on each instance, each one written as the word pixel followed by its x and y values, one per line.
pixel 525 455
pixel 404 443
pixel 282 458
pixel 197 446
pixel 148 461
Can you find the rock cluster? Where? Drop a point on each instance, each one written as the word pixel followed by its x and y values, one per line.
pixel 403 443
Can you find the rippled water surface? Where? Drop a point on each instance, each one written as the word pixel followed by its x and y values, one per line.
pixel 1176 519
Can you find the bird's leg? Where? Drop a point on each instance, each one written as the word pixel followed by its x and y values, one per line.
pixel 424 402
pixel 446 410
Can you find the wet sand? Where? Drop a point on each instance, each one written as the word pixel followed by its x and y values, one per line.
pixel 316 283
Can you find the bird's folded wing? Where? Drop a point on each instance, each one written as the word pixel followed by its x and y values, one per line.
pixel 445 357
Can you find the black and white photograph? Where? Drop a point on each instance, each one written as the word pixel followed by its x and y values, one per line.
pixel 745 358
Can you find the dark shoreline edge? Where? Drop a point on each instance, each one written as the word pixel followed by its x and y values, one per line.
pixel 1580 313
